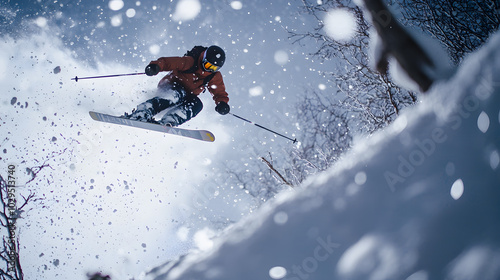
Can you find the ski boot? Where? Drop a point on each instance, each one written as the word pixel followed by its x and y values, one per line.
pixel 139 115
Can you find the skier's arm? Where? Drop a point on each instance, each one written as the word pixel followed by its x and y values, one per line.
pixel 172 63
pixel 218 89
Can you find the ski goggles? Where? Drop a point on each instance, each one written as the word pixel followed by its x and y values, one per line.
pixel 207 66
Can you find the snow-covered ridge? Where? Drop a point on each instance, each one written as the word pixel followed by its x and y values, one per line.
pixel 419 200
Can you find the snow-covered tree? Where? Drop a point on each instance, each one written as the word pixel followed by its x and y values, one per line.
pixel 363 100
pixel 360 100
pixel 10 211
pixel 461 26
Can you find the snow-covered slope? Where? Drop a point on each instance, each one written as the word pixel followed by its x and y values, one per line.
pixel 420 200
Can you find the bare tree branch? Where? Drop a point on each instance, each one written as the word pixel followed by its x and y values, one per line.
pixel 461 26
pixel 271 167
pixel 9 213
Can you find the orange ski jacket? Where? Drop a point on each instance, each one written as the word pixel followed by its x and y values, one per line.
pixel 192 82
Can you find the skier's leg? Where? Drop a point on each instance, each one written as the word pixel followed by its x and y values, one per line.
pixel 185 110
pixel 148 109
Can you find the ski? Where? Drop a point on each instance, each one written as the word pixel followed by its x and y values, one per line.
pixel 203 135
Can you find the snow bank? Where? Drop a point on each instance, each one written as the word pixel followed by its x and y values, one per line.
pixel 420 200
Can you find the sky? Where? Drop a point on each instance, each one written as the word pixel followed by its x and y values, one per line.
pixel 121 200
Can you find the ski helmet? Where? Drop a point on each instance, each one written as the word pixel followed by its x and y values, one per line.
pixel 213 59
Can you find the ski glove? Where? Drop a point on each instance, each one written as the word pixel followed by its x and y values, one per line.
pixel 152 69
pixel 222 108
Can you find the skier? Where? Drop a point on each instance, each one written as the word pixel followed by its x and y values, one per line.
pixel 190 75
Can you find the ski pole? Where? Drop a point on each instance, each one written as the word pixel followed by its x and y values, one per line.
pixel 260 126
pixel 107 76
